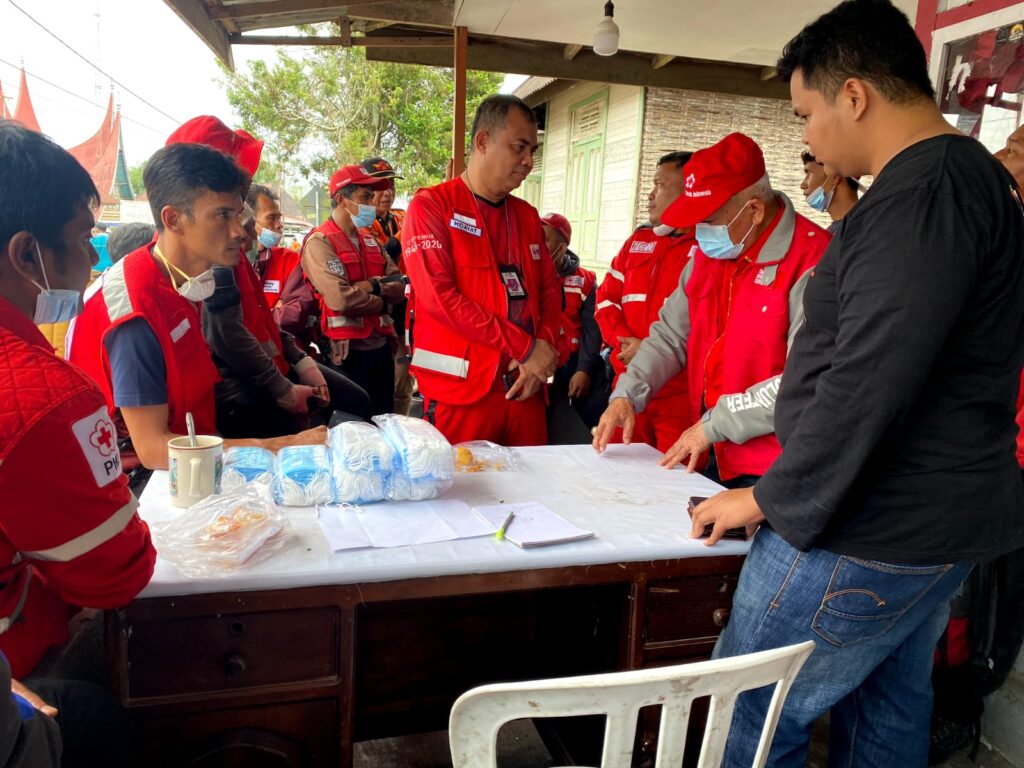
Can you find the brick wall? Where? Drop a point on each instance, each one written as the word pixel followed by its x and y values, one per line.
pixel 690 120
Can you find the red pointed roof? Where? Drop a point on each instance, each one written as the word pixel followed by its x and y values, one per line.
pixel 23 112
pixel 98 155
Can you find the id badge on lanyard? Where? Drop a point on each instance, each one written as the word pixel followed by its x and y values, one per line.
pixel 512 278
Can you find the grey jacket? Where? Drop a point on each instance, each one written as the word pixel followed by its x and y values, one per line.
pixel 736 417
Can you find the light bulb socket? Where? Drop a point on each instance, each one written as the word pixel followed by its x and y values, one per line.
pixel 609 9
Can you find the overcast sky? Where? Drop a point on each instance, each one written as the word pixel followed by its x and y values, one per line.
pixel 140 43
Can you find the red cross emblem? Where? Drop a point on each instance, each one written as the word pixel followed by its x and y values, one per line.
pixel 690 181
pixel 103 438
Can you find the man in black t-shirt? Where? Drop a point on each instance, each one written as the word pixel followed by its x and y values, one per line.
pixel 896 409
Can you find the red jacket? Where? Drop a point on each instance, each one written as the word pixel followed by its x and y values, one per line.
pixel 1020 424
pixel 575 290
pixel 740 326
pixel 362 264
pixel 274 270
pixel 256 315
pixel 137 287
pixel 69 532
pixel 462 331
pixel 644 273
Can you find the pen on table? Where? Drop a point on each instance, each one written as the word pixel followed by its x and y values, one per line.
pixel 504 526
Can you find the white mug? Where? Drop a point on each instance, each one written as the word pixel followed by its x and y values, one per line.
pixel 195 470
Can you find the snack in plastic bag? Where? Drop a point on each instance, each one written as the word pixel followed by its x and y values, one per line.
pixel 224 534
pixel 423 452
pixel 246 464
pixel 359 487
pixel 303 477
pixel 483 455
pixel 360 447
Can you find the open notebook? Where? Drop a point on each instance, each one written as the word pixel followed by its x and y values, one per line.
pixel 534 525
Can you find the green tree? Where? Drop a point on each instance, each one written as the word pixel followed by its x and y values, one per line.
pixel 135 175
pixel 330 107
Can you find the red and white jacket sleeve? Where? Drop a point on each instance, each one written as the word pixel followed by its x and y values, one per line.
pixel 426 251
pixel 67 509
pixel 608 311
pixel 551 298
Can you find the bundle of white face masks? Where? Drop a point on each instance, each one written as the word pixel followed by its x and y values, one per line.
pixel 246 465
pixel 362 461
pixel 303 477
pixel 425 466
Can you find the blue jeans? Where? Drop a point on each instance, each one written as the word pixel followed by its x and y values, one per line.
pixel 875 626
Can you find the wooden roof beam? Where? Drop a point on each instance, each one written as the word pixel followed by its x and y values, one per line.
pixel 659 60
pixel 626 68
pixel 429 13
pixel 570 51
pixel 435 41
pixel 195 15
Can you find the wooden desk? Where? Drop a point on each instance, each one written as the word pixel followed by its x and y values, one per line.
pixel 292 677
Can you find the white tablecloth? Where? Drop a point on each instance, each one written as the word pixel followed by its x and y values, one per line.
pixel 636 508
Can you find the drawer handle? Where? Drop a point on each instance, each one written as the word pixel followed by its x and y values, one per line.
pixel 234 665
pixel 720 616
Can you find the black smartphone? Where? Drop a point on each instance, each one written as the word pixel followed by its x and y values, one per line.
pixel 509 377
pixel 730 533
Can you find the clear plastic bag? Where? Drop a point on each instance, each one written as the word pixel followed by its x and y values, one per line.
pixel 360 447
pixel 359 487
pixel 303 477
pixel 484 456
pixel 246 465
pixel 224 534
pixel 401 488
pixel 422 451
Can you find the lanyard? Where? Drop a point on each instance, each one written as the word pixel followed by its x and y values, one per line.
pixel 508 225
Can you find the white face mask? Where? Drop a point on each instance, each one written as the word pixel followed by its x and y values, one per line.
pixel 198 288
pixel 664 229
pixel 54 305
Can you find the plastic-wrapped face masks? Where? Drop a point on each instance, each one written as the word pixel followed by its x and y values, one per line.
pixel 360 447
pixel 423 452
pixel 401 488
pixel 245 465
pixel 359 487
pixel 303 477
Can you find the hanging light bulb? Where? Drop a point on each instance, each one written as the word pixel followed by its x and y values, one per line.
pixel 606 36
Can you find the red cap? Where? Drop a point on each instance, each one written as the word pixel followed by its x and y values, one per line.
pixel 712 176
pixel 354 174
pixel 209 130
pixel 559 223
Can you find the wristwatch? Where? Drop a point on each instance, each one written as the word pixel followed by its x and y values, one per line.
pixel 375 290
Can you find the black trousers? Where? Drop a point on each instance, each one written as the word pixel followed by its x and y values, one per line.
pixel 374 371
pixel 257 414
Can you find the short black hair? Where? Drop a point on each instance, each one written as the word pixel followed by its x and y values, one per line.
pixel 255 191
pixel 806 157
pixel 179 174
pixel 678 159
pixel 868 39
pixel 101 226
pixel 493 112
pixel 42 187
pixel 127 238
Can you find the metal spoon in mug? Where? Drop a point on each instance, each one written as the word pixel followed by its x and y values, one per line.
pixel 190 425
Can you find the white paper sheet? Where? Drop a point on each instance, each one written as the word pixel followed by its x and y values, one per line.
pixel 399 524
pixel 533 524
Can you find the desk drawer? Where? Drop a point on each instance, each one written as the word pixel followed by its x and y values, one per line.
pixel 688 608
pixel 231 651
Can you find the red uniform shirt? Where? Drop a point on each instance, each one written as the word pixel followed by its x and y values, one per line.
pixel 69 531
pixel 273 266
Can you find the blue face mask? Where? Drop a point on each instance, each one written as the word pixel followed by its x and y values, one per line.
pixel 819 200
pixel 54 305
pixel 269 238
pixel 714 240
pixel 365 217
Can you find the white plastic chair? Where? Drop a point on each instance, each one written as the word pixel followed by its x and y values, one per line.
pixel 478 714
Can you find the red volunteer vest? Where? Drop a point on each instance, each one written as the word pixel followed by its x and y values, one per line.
pixel 256 316
pixel 137 287
pixel 739 326
pixel 575 290
pixel 448 367
pixel 275 270
pixel 650 274
pixel 362 264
